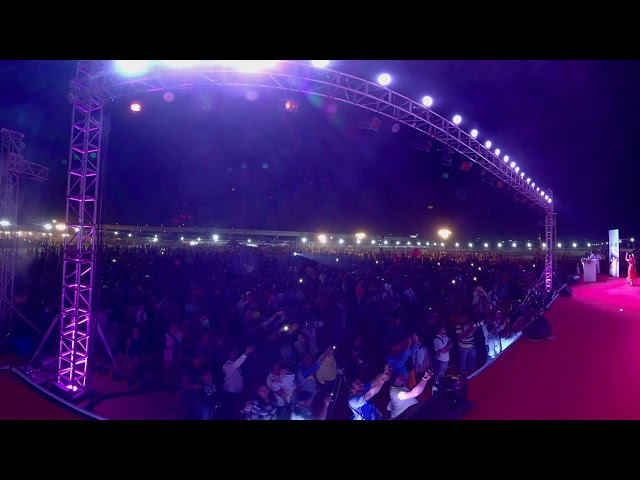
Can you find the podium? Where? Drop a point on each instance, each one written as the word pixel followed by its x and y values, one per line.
pixel 590 270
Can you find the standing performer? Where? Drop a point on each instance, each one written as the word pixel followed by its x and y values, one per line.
pixel 632 273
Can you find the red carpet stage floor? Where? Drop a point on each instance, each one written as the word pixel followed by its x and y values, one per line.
pixel 590 371
pixel 22 401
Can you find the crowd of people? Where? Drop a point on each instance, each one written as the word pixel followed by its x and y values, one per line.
pixel 266 333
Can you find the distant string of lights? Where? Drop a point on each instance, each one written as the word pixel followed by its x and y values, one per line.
pixel 48 229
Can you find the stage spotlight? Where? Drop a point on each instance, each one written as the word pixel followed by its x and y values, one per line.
pixel 252 95
pixel 533 184
pixel 457 119
pixel 180 63
pixel 497 152
pixel 538 189
pixel 427 101
pixel 512 164
pixel 395 128
pixel 320 63
pixel 474 133
pixel 132 67
pixel 517 169
pixel 522 174
pixel 136 107
pixel 247 66
pixel 384 79
pixel 506 158
pixel 168 97
pixel 528 180
pixel 291 106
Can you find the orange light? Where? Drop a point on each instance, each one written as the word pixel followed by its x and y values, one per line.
pixel 290 106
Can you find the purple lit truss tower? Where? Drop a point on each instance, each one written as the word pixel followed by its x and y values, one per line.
pixel 99 81
pixel 13 168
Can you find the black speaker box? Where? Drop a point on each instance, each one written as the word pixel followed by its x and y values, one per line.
pixel 432 409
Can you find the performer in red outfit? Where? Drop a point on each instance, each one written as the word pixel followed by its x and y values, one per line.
pixel 632 273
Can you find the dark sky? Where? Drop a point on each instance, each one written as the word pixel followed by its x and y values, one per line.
pixel 571 125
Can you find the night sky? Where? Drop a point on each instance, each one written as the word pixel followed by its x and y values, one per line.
pixel 226 162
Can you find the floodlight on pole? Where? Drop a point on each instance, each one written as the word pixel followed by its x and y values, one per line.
pixel 444 233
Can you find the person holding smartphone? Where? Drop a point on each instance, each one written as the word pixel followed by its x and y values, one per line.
pixel 402 399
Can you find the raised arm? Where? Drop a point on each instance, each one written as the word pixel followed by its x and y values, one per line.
pixel 418 389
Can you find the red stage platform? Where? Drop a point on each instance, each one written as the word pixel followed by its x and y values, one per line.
pixel 590 371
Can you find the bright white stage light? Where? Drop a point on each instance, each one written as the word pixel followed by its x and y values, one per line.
pixel 506 158
pixel 542 193
pixel 474 133
pixel 304 240
pixel 48 226
pixel 4 223
pixel 522 174
pixel 136 107
pixel 512 164
pixel 549 201
pixel 427 101
pixel 384 79
pixel 497 152
pixel 341 241
pixel 248 66
pixel 533 184
pixel 487 144
pixel 514 244
pixel 320 63
pixel 215 238
pixel 528 180
pixel 486 245
pixel 499 245
pixel 457 119
pixel 517 169
pixel 322 238
pixel 180 63
pixel 132 67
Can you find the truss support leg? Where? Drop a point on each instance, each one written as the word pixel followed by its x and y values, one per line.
pixel 11 163
pixel 550 239
pixel 79 255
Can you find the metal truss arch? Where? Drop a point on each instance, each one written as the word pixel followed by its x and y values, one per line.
pixel 307 79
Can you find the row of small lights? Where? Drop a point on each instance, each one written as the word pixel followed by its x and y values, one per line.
pixel 323 240
pixel 384 79
pixel 137 67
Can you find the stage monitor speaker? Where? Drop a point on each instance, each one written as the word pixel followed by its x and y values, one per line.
pixel 573 279
pixel 432 409
pixel 538 329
